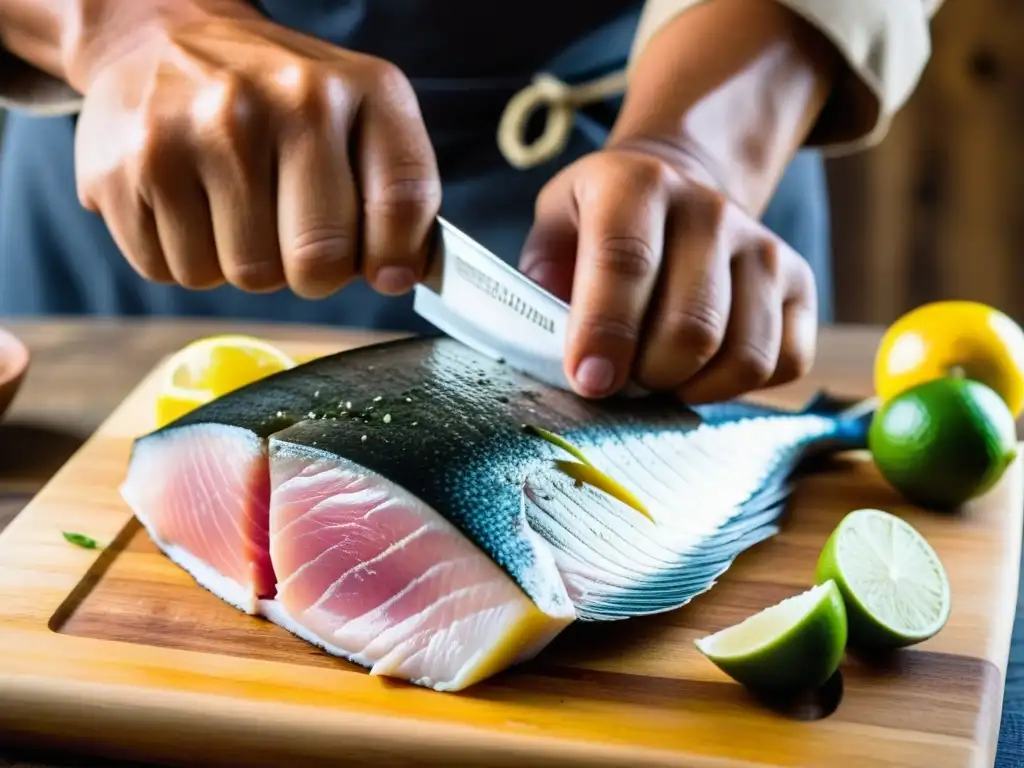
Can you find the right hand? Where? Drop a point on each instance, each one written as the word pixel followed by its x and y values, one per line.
pixel 218 146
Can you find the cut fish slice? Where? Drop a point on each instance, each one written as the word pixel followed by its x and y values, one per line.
pixel 369 572
pixel 387 505
pixel 209 513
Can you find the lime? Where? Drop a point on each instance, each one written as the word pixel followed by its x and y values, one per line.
pixel 944 337
pixel 794 645
pixel 943 442
pixel 894 586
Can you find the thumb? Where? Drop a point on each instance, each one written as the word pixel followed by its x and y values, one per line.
pixel 549 253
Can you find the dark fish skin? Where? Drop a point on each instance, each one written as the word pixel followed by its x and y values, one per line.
pixel 446 424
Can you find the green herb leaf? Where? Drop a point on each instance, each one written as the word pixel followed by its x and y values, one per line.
pixel 81 540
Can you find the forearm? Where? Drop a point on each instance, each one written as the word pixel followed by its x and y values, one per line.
pixel 31 30
pixel 738 82
pixel 69 38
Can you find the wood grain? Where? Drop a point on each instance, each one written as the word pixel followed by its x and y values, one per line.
pixel 934 211
pixel 118 652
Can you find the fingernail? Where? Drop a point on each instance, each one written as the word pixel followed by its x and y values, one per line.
pixel 395 279
pixel 595 374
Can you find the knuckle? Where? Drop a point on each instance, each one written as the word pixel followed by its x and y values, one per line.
pixel 793 365
pixel 754 366
pixel 648 175
pixel 255 275
pixel 768 259
pixel 697 328
pixel 706 207
pixel 197 279
pixel 144 167
pixel 804 279
pixel 608 326
pixel 148 263
pixel 413 190
pixel 643 177
pixel 160 153
pixel 319 253
pixel 313 92
pixel 197 271
pixel 386 80
pixel 224 104
pixel 151 270
pixel 628 258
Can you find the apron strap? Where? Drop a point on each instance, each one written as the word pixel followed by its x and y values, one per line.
pixel 561 101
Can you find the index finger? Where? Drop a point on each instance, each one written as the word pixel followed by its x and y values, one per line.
pixel 621 236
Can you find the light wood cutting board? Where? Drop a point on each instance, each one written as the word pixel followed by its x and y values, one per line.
pixel 120 653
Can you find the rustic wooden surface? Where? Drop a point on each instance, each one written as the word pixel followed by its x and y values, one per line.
pixel 928 708
pixel 937 209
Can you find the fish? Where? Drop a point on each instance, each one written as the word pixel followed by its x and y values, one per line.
pixel 430 514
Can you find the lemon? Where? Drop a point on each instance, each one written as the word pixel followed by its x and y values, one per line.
pixel 213 366
pixel 943 442
pixel 945 337
pixel 794 645
pixel 893 584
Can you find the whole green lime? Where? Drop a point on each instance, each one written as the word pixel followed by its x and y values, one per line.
pixel 943 442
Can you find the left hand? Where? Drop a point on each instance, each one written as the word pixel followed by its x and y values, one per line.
pixel 670 283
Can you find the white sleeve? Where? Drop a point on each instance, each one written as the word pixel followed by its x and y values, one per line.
pixel 884 43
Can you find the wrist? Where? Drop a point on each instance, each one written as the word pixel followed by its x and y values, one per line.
pixel 740 106
pixel 680 153
pixel 95 33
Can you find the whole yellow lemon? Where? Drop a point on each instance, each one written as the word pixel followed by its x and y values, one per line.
pixel 960 338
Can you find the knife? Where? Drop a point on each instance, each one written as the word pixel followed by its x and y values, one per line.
pixel 476 298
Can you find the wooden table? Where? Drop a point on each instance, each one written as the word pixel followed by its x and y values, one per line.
pixel 82 369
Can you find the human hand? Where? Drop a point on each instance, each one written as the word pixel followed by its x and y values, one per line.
pixel 669 283
pixel 218 146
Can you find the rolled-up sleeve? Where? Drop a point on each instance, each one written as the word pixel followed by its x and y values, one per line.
pixel 26 88
pixel 885 45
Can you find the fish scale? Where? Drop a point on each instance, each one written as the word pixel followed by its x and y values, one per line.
pixel 378 470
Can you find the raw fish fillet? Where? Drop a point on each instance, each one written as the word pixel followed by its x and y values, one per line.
pixel 387 504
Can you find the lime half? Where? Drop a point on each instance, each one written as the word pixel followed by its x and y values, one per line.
pixel 794 645
pixel 894 585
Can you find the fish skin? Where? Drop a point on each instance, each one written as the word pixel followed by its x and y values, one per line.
pixel 618 564
pixel 454 439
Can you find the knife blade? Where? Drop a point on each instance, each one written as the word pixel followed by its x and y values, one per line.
pixel 476 298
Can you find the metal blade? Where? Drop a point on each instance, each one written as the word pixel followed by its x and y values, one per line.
pixel 477 298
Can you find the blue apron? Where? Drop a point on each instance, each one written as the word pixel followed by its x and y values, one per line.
pixel 465 59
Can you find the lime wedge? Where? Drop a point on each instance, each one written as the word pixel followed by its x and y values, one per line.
pixel 894 586
pixel 792 646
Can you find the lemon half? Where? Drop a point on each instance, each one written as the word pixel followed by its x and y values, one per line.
pixel 211 367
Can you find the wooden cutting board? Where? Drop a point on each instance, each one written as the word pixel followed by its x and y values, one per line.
pixel 119 653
